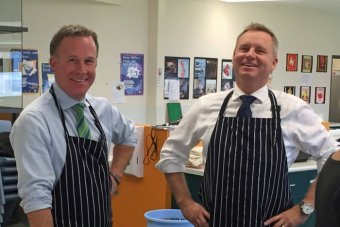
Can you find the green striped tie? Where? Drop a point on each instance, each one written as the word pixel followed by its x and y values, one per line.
pixel 82 125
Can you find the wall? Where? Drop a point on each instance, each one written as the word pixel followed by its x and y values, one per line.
pixel 209 29
pixel 190 28
pixel 120 29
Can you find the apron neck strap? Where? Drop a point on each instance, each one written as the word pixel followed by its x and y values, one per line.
pixel 93 112
pixel 275 108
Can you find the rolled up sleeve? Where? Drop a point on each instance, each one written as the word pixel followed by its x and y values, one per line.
pixel 33 159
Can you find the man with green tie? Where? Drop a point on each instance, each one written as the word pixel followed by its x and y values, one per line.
pixel 61 141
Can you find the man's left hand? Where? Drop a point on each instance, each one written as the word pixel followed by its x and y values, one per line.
pixel 288 218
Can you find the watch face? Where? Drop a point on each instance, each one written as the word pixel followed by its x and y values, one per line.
pixel 307 209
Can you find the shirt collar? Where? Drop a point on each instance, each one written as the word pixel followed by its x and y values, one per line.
pixel 260 94
pixel 64 100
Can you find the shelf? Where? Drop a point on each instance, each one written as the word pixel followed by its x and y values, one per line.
pixel 12 29
pixel 13 110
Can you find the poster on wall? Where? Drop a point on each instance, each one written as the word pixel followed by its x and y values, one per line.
pixel 320 95
pixel 205 76
pixel 176 71
pixel 305 93
pixel 132 73
pixel 47 76
pixel 291 62
pixel 118 92
pixel 321 65
pixel 27 62
pixel 227 75
pixel 307 63
pixel 289 89
pixel 16 60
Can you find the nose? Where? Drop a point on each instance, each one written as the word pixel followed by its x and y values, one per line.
pixel 81 67
pixel 250 53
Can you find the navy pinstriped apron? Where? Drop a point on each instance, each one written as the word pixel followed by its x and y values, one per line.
pixel 81 197
pixel 245 180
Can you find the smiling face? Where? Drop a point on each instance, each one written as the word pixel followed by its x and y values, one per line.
pixel 74 65
pixel 254 60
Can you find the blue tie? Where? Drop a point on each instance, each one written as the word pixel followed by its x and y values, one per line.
pixel 244 110
pixel 82 125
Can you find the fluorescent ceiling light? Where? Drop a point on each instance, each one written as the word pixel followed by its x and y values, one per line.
pixel 249 0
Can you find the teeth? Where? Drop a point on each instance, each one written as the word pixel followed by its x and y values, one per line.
pixel 77 80
pixel 249 65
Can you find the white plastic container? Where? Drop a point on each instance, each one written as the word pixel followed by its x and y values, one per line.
pixel 166 218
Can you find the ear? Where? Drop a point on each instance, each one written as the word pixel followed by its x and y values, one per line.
pixel 52 62
pixel 275 61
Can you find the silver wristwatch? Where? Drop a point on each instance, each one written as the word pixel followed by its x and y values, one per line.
pixel 306 208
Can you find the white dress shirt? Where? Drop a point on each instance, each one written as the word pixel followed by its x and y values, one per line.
pixel 301 127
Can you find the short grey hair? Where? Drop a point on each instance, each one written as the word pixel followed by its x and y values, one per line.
pixel 261 28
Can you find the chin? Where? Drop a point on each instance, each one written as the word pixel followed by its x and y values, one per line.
pixel 248 75
pixel 78 97
pixel 78 94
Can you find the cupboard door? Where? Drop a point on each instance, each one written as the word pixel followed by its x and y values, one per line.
pixel 299 183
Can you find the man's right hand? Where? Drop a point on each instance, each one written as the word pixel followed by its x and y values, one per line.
pixel 191 210
pixel 195 213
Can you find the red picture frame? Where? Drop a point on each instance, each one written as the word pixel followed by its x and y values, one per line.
pixel 320 95
pixel 321 65
pixel 292 62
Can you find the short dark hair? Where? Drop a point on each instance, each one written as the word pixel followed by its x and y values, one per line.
pixel 261 28
pixel 71 30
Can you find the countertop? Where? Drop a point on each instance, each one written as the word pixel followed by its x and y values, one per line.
pixel 334 125
pixel 295 167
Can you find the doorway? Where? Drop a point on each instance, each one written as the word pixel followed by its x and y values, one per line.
pixel 334 102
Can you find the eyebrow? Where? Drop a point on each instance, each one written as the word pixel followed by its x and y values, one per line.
pixel 87 57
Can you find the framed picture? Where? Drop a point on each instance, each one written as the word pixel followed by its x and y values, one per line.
pixel 320 94
pixel 321 65
pixel 170 66
pixel 227 75
pixel 289 89
pixel 176 69
pixel 227 69
pixel 205 76
pixel 307 63
pixel 132 73
pixel 305 93
pixel 291 62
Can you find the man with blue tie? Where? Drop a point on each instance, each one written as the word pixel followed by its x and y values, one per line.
pixel 251 135
pixel 61 141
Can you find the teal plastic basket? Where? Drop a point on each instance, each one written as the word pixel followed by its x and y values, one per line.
pixel 166 217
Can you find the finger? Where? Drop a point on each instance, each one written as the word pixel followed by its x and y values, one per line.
pixel 114 189
pixel 206 214
pixel 272 220
pixel 203 222
pixel 280 224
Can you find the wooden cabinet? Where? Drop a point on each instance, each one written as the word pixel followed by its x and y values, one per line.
pixel 151 192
